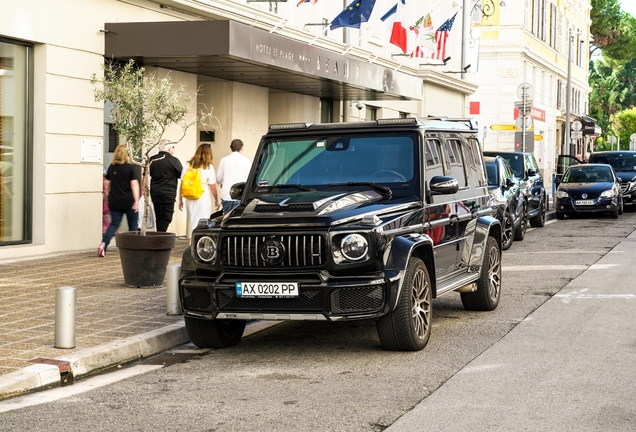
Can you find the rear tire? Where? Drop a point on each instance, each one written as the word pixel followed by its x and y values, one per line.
pixel 539 220
pixel 408 327
pixel 214 333
pixel 486 297
pixel 520 231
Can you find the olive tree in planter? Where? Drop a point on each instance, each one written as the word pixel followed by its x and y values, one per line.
pixel 143 107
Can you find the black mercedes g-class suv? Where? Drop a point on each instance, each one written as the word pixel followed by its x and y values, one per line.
pixel 348 221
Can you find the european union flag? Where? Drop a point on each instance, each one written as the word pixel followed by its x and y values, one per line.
pixel 356 13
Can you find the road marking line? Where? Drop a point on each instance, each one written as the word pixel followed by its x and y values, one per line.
pixel 559 267
pixel 76 388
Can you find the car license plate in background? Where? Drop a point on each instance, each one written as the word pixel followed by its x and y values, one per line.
pixel 267 289
pixel 584 202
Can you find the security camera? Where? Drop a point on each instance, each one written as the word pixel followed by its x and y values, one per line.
pixel 359 105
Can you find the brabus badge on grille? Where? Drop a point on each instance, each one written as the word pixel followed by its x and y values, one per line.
pixel 272 252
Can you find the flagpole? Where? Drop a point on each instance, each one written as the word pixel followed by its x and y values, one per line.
pixel 360 38
pixel 283 19
pixel 322 33
pixel 376 57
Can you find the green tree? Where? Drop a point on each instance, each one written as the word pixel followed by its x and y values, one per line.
pixel 143 108
pixel 613 31
pixel 607 95
pixel 625 125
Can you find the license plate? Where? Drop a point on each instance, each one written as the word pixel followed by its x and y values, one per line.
pixel 267 289
pixel 584 202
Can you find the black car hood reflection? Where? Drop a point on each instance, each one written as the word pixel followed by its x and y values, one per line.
pixel 315 207
pixel 625 176
pixel 596 187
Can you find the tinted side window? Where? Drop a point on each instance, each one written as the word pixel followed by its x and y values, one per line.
pixel 475 167
pixel 456 162
pixel 434 166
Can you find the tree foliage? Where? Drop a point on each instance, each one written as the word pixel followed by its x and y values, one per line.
pixel 143 108
pixel 625 125
pixel 613 31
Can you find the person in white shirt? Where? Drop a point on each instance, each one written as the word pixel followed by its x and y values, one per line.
pixel 232 169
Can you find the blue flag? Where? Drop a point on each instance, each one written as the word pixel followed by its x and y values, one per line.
pixel 356 13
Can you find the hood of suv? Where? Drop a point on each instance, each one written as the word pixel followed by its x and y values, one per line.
pixel 311 208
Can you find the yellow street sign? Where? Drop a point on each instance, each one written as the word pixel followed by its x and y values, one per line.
pixel 507 127
pixel 538 137
pixel 503 127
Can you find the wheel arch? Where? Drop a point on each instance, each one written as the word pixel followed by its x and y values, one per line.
pixel 487 226
pixel 404 247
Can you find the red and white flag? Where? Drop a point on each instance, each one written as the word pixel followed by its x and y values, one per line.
pixel 307 1
pixel 424 31
pixel 395 18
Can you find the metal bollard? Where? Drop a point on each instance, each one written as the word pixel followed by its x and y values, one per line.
pixel 173 302
pixel 65 317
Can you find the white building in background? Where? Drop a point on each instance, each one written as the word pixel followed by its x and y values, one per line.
pixel 525 42
pixel 257 63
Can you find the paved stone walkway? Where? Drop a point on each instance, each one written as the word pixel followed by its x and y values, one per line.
pixel 106 310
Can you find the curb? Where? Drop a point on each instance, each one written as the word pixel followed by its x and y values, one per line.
pixel 83 362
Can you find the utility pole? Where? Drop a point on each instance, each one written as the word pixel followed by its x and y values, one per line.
pixel 568 96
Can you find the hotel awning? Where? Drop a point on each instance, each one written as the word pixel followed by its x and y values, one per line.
pixel 233 51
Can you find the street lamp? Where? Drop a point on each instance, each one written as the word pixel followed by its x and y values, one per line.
pixel 568 140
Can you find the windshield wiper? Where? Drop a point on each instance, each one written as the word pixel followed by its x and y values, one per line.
pixel 280 186
pixel 384 190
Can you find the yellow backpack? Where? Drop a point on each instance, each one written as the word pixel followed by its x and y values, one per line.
pixel 191 187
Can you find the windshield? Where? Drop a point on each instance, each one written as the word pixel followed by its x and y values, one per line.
pixel 621 162
pixel 315 162
pixel 588 175
pixel 516 163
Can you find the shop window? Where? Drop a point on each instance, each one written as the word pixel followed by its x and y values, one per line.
pixel 15 142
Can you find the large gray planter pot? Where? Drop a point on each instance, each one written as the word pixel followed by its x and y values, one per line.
pixel 144 259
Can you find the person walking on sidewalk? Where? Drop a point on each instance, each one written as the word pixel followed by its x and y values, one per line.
pixel 201 208
pixel 122 187
pixel 233 169
pixel 165 171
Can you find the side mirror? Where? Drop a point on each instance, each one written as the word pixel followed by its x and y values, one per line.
pixel 236 191
pixel 509 183
pixel 532 172
pixel 442 185
pixel 557 180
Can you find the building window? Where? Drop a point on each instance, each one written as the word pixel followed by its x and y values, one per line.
pixel 326 111
pixel 16 89
pixel 371 114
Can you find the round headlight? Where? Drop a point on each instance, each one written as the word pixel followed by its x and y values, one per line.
pixel 354 247
pixel 206 249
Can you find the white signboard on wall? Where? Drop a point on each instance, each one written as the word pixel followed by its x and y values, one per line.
pixel 91 150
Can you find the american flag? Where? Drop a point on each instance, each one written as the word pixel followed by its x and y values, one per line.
pixel 441 35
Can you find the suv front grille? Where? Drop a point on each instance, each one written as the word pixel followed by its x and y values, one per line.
pixel 300 251
pixel 307 301
pixel 197 298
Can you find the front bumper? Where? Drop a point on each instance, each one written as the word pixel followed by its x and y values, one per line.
pixel 215 298
pixel 629 197
pixel 602 205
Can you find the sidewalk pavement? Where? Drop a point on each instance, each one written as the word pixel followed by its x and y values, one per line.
pixel 115 324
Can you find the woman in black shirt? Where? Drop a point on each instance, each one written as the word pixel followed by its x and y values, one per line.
pixel 122 187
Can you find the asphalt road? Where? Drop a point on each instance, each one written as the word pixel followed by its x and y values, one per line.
pixel 300 376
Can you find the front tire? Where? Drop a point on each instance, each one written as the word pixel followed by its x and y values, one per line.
pixel 214 333
pixel 486 297
pixel 408 327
